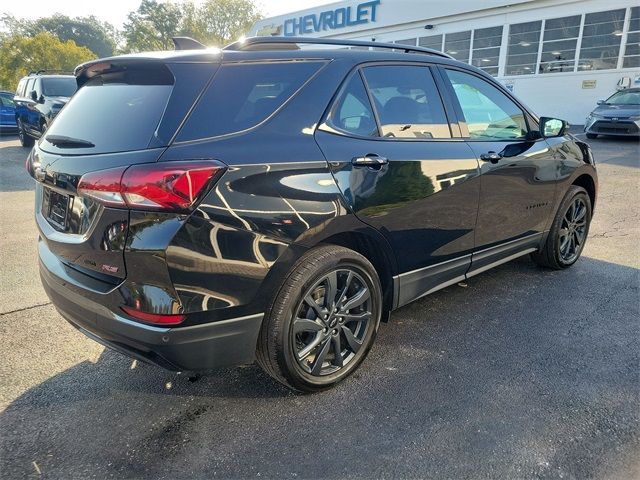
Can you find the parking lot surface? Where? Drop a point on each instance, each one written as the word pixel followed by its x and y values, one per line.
pixel 522 373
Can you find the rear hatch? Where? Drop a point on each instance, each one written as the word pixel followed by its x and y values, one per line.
pixel 125 113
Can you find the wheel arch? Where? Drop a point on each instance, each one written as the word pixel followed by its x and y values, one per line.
pixel 587 182
pixel 372 245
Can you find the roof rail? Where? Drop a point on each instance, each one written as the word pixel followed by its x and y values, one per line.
pixel 290 42
pixel 40 72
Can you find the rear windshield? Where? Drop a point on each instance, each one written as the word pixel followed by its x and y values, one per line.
pixel 243 95
pixel 59 87
pixel 114 112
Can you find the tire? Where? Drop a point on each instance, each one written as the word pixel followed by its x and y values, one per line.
pixel 568 233
pixel 286 348
pixel 591 136
pixel 25 140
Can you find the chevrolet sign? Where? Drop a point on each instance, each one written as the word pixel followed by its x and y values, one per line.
pixel 332 19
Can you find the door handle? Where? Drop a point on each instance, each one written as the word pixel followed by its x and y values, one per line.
pixel 492 157
pixel 369 160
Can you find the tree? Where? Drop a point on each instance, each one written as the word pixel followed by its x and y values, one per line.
pixel 152 26
pixel 44 51
pixel 213 23
pixel 99 37
pixel 219 22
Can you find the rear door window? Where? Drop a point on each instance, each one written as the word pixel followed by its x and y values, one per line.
pixel 20 89
pixel 407 101
pixel 29 88
pixel 352 113
pixel 113 112
pixel 243 95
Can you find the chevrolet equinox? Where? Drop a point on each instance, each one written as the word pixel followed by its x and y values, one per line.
pixel 275 200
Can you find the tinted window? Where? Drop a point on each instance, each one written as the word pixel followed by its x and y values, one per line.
pixel 116 112
pixel 59 87
pixel 407 102
pixel 243 95
pixel 488 113
pixel 352 112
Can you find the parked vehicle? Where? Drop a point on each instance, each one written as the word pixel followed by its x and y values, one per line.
pixel 38 99
pixel 7 112
pixel 617 115
pixel 204 208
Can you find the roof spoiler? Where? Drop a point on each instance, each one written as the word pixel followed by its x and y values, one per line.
pixel 187 43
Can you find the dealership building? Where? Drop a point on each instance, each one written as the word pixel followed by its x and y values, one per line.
pixel 558 56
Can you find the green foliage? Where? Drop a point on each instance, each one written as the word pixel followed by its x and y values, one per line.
pixel 219 22
pixel 213 23
pixel 99 37
pixel 61 42
pixel 43 51
pixel 152 26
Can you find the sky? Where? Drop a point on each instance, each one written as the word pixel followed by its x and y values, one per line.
pixel 115 11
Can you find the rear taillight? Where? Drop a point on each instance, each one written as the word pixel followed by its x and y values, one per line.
pixel 175 186
pixel 154 318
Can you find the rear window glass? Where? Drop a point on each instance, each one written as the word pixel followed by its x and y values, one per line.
pixel 114 112
pixel 243 95
pixel 59 87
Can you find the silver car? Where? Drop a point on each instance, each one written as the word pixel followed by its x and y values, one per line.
pixel 617 115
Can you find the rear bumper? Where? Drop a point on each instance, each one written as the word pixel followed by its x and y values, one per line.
pixel 192 348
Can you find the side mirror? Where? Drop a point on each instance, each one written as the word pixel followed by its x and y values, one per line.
pixel 553 127
pixel 33 95
pixel 601 102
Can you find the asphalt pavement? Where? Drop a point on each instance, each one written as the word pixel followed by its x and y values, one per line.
pixel 522 373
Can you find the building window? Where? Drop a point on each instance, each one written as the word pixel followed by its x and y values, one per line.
pixel 632 48
pixel 486 49
pixel 601 40
pixel 458 45
pixel 559 44
pixel 432 41
pixel 407 41
pixel 522 49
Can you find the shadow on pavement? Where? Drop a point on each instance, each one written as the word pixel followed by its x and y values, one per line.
pixel 14 176
pixel 524 373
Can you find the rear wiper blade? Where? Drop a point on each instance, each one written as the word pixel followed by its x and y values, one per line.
pixel 68 142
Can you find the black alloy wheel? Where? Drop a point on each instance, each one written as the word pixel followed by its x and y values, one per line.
pixel 569 231
pixel 331 322
pixel 323 320
pixel 573 231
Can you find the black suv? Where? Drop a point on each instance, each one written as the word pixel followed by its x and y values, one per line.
pixel 38 100
pixel 276 202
